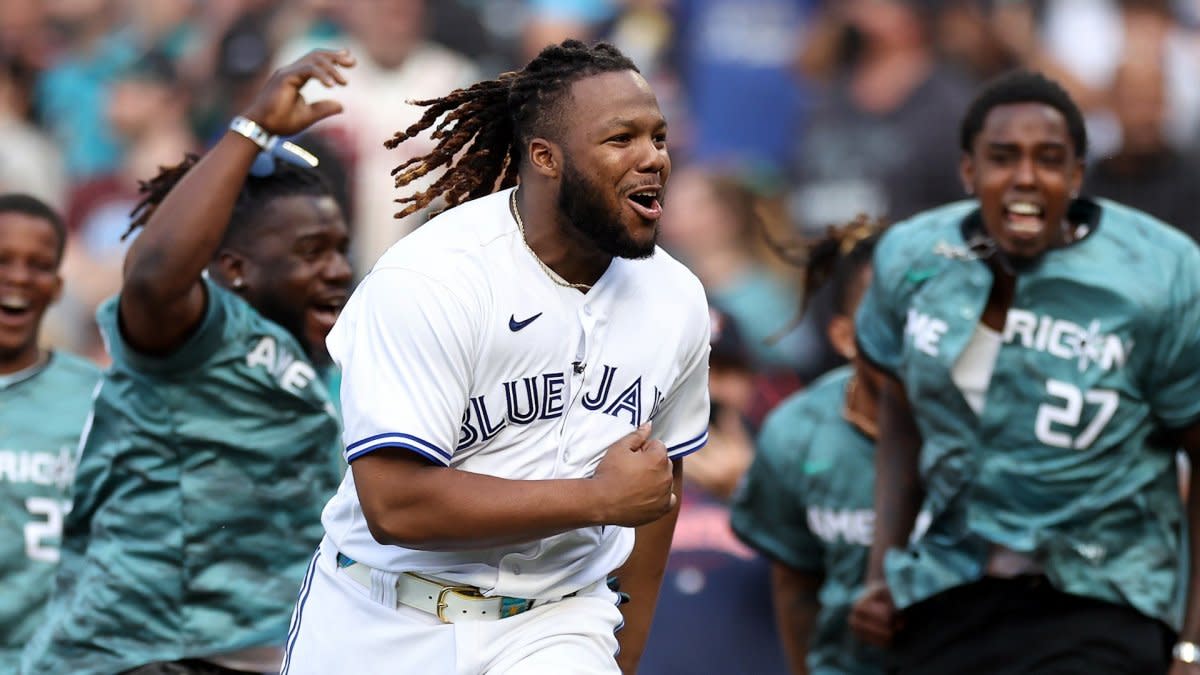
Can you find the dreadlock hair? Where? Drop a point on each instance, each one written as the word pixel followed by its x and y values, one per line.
pixel 838 259
pixel 31 206
pixel 287 180
pixel 484 127
pixel 834 260
pixel 1023 86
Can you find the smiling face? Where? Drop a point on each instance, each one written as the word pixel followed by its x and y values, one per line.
pixel 296 272
pixel 615 163
pixel 29 284
pixel 1024 170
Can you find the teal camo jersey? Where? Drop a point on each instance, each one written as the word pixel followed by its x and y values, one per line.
pixel 1100 352
pixel 197 498
pixel 807 503
pixel 42 414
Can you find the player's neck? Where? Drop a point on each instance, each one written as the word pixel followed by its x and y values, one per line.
pixel 861 406
pixel 24 360
pixel 577 262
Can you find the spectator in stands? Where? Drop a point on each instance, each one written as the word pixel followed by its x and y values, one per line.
pixel 396 63
pixel 877 140
pixel 1147 172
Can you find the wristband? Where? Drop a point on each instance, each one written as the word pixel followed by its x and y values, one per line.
pixel 252 130
pixel 1186 652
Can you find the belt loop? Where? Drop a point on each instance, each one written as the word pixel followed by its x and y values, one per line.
pixel 383 588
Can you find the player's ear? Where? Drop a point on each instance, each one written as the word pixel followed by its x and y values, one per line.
pixel 966 173
pixel 841 336
pixel 1077 178
pixel 545 156
pixel 58 288
pixel 229 269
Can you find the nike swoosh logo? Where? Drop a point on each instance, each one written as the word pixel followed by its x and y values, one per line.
pixel 515 325
pixel 809 468
pixel 917 276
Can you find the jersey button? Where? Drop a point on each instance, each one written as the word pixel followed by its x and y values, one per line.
pixel 517 570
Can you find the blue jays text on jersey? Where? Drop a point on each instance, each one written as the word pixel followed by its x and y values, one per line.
pixel 541 397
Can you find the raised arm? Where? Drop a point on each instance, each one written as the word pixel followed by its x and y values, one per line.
pixel 162 298
pixel 898 497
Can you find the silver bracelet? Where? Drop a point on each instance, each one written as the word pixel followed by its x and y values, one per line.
pixel 252 130
pixel 1186 652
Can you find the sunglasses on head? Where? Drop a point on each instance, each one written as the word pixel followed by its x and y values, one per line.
pixel 266 162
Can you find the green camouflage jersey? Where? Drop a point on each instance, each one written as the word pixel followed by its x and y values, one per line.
pixel 42 414
pixel 1100 352
pixel 197 498
pixel 807 503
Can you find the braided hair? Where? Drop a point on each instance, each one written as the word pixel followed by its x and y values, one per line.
pixel 287 180
pixel 484 127
pixel 838 259
pixel 834 260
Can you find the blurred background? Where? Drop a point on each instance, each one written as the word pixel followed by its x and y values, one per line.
pixel 787 116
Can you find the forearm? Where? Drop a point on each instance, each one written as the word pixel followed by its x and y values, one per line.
pixel 796 608
pixel 444 509
pixel 181 236
pixel 898 492
pixel 641 577
pixel 1191 619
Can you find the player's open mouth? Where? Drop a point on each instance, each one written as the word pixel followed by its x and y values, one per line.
pixel 324 312
pixel 645 202
pixel 15 309
pixel 1024 219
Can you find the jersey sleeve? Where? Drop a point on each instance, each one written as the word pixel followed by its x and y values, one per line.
pixel 682 422
pixel 768 511
pixel 406 346
pixel 879 322
pixel 1174 384
pixel 209 336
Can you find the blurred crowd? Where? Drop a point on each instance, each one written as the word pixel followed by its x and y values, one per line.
pixel 787 116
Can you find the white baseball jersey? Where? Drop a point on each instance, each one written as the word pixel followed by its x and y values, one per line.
pixel 460 348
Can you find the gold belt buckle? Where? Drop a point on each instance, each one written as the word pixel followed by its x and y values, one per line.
pixel 469 591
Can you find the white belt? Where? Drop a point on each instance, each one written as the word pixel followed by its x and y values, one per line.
pixel 450 603
pixel 1006 563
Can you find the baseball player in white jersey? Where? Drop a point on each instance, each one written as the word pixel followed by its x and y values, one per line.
pixel 520 379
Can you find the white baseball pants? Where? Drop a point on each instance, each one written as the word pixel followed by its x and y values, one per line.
pixel 338 628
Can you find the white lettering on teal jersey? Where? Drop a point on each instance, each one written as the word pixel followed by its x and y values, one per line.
pixel 853 526
pixel 1066 340
pixel 39 468
pixel 292 374
pixel 926 331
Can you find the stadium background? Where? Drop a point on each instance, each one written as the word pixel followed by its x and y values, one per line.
pixel 786 115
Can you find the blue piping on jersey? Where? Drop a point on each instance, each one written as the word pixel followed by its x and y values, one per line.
pixel 294 630
pixel 688 447
pixel 396 439
pixel 437 459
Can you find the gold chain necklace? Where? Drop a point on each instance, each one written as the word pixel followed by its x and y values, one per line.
pixel 554 276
